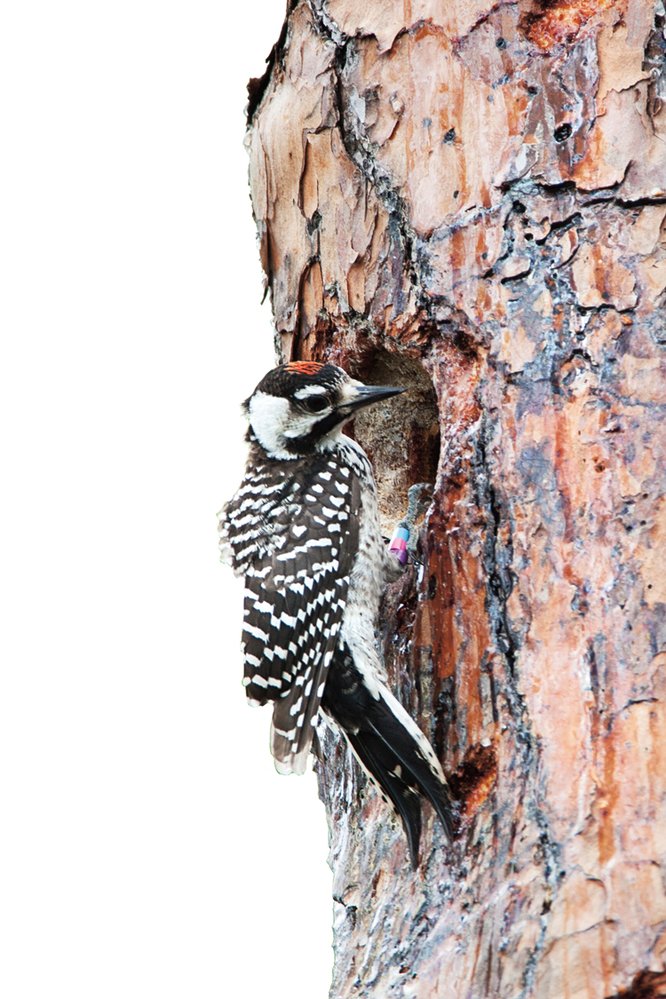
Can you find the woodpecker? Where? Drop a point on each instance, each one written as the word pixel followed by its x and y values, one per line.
pixel 303 529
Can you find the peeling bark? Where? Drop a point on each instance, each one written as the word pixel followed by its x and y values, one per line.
pixel 471 198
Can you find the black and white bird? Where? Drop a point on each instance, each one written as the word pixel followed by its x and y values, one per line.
pixel 303 529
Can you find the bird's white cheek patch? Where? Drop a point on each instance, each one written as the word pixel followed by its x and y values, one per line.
pixel 269 416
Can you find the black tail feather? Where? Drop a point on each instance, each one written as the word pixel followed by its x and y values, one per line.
pixel 389 747
pixel 378 760
pixel 401 743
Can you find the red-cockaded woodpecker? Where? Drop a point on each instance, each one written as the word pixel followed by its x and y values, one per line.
pixel 303 529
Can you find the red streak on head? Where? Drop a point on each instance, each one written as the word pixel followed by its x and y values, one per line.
pixel 304 367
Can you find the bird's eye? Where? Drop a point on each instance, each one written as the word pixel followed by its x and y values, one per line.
pixel 315 404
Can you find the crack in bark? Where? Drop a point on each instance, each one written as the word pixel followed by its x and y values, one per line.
pixel 499 584
pixel 362 153
pixel 499 587
pixel 486 16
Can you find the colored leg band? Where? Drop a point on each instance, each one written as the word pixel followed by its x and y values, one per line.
pixel 398 544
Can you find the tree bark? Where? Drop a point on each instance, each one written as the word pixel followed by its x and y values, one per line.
pixel 468 197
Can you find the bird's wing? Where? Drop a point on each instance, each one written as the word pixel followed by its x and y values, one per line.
pixel 252 523
pixel 297 556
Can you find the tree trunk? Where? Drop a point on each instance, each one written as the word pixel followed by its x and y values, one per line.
pixel 468 198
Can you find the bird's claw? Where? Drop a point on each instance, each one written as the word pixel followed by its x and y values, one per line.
pixel 403 542
pixel 419 497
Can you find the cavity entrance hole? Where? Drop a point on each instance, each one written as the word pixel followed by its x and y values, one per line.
pixel 400 435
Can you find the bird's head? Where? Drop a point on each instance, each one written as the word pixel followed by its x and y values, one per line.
pixel 300 407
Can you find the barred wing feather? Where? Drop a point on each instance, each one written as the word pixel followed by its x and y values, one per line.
pixel 296 582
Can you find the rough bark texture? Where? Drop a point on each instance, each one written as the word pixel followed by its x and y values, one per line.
pixel 469 198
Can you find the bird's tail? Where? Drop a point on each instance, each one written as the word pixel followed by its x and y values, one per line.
pixel 389 746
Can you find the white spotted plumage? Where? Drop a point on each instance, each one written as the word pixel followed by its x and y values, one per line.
pixel 297 560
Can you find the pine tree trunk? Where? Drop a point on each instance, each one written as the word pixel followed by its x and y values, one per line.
pixel 469 198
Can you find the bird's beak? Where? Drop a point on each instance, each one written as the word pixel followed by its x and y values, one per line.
pixel 365 395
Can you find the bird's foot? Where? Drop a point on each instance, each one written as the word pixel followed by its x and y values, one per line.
pixel 405 536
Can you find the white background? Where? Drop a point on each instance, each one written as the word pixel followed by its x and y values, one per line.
pixel 148 848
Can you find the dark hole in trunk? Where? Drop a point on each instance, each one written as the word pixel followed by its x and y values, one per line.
pixel 401 435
